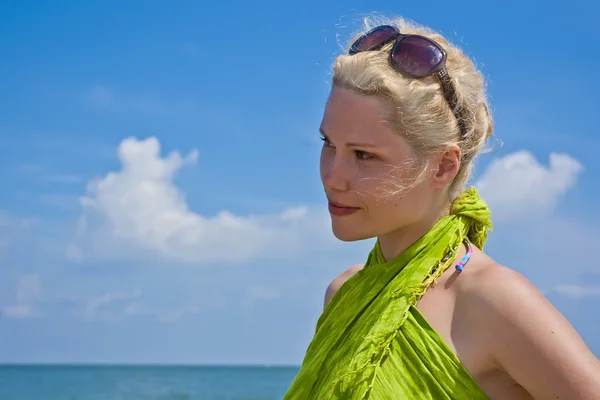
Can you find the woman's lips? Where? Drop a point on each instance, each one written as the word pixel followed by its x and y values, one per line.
pixel 340 210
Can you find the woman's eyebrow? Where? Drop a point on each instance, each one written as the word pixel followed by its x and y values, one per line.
pixel 351 144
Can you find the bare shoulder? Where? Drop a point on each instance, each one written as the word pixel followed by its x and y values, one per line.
pixel 337 283
pixel 526 335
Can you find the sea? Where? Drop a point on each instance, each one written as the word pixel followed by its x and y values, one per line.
pixel 104 382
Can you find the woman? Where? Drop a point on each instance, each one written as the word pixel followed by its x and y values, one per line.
pixel 406 116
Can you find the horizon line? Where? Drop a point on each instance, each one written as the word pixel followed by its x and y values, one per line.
pixel 144 364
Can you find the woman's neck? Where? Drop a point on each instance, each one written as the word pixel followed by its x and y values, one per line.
pixel 394 243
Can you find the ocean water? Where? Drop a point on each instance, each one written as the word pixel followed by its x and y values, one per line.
pixel 29 382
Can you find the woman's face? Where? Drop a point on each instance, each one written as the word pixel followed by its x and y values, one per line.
pixel 362 161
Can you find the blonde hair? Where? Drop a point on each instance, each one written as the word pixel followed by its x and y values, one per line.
pixel 419 110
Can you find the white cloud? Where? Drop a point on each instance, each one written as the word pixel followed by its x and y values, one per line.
pixel 116 306
pixel 64 178
pixel 29 289
pixel 73 253
pixel 517 185
pixel 138 211
pixel 103 98
pixel 578 291
pixel 176 314
pixel 45 173
pixel 263 293
pixel 11 227
pixel 255 295
pixel 101 308
pixel 99 96
pixel 18 312
pixel 28 294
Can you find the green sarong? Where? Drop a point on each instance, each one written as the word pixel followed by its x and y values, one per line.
pixel 371 342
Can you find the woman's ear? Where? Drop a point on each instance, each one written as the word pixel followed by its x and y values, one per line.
pixel 446 166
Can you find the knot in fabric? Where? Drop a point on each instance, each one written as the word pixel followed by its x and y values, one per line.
pixel 475 214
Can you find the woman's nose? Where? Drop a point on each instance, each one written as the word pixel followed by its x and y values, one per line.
pixel 335 174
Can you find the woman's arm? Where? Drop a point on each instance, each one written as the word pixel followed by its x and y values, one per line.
pixel 530 340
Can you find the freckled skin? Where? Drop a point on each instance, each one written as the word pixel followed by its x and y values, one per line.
pixel 509 337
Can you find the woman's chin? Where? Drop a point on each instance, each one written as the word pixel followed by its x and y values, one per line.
pixel 347 235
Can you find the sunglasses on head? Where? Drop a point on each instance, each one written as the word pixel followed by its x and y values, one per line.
pixel 415 56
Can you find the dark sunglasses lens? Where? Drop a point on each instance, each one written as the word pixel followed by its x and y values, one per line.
pixel 417 56
pixel 374 39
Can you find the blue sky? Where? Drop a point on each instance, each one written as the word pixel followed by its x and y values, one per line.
pixel 161 200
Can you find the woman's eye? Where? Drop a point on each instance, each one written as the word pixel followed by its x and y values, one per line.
pixel 325 141
pixel 361 155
